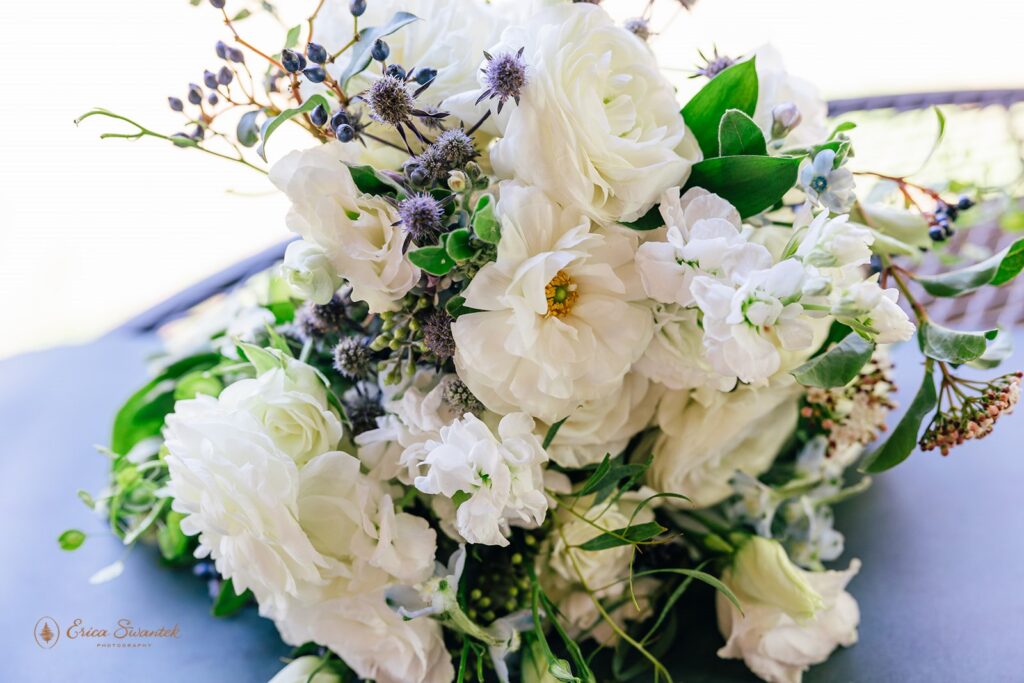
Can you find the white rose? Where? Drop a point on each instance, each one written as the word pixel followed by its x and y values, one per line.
pixel 370 637
pixel 495 481
pixel 357 231
pixel 557 324
pixel 289 402
pixel 676 357
pixel 704 442
pixel 301 670
pixel 309 273
pixel 791 618
pixel 776 86
pixel 604 426
pixel 597 124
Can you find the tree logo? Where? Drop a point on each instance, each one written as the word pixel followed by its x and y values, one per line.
pixel 47 633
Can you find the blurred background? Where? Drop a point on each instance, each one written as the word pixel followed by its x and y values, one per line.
pixel 94 231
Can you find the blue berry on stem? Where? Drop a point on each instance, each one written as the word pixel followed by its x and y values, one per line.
pixel 292 61
pixel 316 53
pixel 219 4
pixel 210 79
pixel 235 55
pixel 318 116
pixel 224 76
pixel 212 98
pixel 357 7
pixel 221 49
pixel 339 118
pixel 965 203
pixel 424 75
pixel 380 50
pixel 937 233
pixel 175 103
pixel 315 74
pixel 195 93
pixel 345 132
pixel 395 70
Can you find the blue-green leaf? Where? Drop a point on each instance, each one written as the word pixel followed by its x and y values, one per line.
pixel 247 132
pixel 434 260
pixel 457 245
pixel 485 225
pixel 734 88
pixel 273 124
pixel 995 270
pixel 838 366
pixel 359 55
pixel 903 440
pixel 952 346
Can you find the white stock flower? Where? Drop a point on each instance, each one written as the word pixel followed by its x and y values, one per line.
pixel 494 481
pixel 835 243
pixel 557 324
pixel 597 125
pixel 357 231
pixel 309 273
pixel 791 618
pixel 702 237
pixel 708 436
pixel 676 357
pixel 745 326
pixel 873 309
pixel 307 669
pixel 289 404
pixel 604 426
pixel 776 86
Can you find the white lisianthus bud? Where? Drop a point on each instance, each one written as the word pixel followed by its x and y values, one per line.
pixel 308 669
pixel 308 272
pixel 762 572
pixel 785 117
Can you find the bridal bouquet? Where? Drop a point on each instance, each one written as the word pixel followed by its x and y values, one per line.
pixel 552 349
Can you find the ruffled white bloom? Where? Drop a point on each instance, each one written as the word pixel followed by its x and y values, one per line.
pixel 676 357
pixel 824 184
pixel 745 325
pixel 289 404
pixel 791 618
pixel 776 86
pixel 604 426
pixel 702 237
pixel 306 669
pixel 707 437
pixel 557 324
pixel 597 125
pixel 874 310
pixel 495 481
pixel 835 243
pixel 357 231
pixel 309 273
pixel 377 642
pixel 582 616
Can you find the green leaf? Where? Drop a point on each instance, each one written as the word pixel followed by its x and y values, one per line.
pixel 995 270
pixel 195 383
pixel 434 260
pixel 485 225
pixel 359 56
pixel 142 415
pixel 624 536
pixel 553 431
pixel 750 183
pixel 247 132
pixel 72 539
pixel 242 14
pixel 371 181
pixel 292 38
pixel 261 359
pixel 228 602
pixel 738 135
pixel 838 366
pixel 952 346
pixel 169 537
pixel 700 576
pixel 651 220
pixel 458 246
pixel 842 128
pixel 998 350
pixel 273 124
pixel 903 440
pixel 734 88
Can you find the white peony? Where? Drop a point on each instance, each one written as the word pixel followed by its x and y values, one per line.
pixel 604 426
pixel 494 481
pixel 597 125
pixel 289 403
pixel 309 273
pixel 776 86
pixel 676 357
pixel 791 618
pixel 377 642
pixel 557 324
pixel 708 436
pixel 357 231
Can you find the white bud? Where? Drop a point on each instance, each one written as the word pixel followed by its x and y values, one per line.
pixel 457 181
pixel 785 117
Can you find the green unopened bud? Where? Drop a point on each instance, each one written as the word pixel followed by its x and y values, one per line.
pixel 415 325
pixel 400 333
pixel 785 117
pixel 762 573
pixel 380 343
pixel 473 170
pixel 394 344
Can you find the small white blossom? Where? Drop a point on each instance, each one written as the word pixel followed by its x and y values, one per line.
pixel 835 243
pixel 873 310
pixel 831 187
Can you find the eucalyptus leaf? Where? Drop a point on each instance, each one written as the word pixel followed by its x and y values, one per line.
pixel 273 124
pixel 738 135
pixel 458 246
pixel 248 132
pixel 434 260
pixel 903 440
pixel 998 350
pixel 359 55
pixel 838 366
pixel 995 270
pixel 485 224
pixel 733 88
pixel 750 183
pixel 292 38
pixel 952 346
pixel 624 536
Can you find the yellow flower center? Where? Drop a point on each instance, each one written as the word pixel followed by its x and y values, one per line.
pixel 561 295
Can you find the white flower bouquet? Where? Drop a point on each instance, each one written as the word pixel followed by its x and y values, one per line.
pixel 552 347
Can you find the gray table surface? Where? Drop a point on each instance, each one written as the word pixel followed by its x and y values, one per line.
pixel 942 540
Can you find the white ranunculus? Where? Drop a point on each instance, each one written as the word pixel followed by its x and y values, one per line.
pixel 496 481
pixel 557 323
pixel 597 125
pixel 289 403
pixel 604 426
pixel 377 642
pixel 708 436
pixel 357 231
pixel 309 273
pixel 868 305
pixel 791 618
pixel 676 357
pixel 776 86
pixel 702 237
pixel 306 669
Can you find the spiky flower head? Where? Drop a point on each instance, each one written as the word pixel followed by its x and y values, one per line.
pixel 713 65
pixel 352 358
pixel 458 396
pixel 320 320
pixel 504 76
pixel 437 335
pixel 362 406
pixel 421 216
pixel 639 27
pixel 389 100
pixel 455 148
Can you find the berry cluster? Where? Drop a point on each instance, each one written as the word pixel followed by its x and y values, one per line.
pixel 973 411
pixel 941 222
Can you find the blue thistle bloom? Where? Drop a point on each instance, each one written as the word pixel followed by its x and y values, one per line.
pixel 421 216
pixel 505 77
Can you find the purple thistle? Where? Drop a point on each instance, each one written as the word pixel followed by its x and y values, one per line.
pixel 505 77
pixel 421 216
